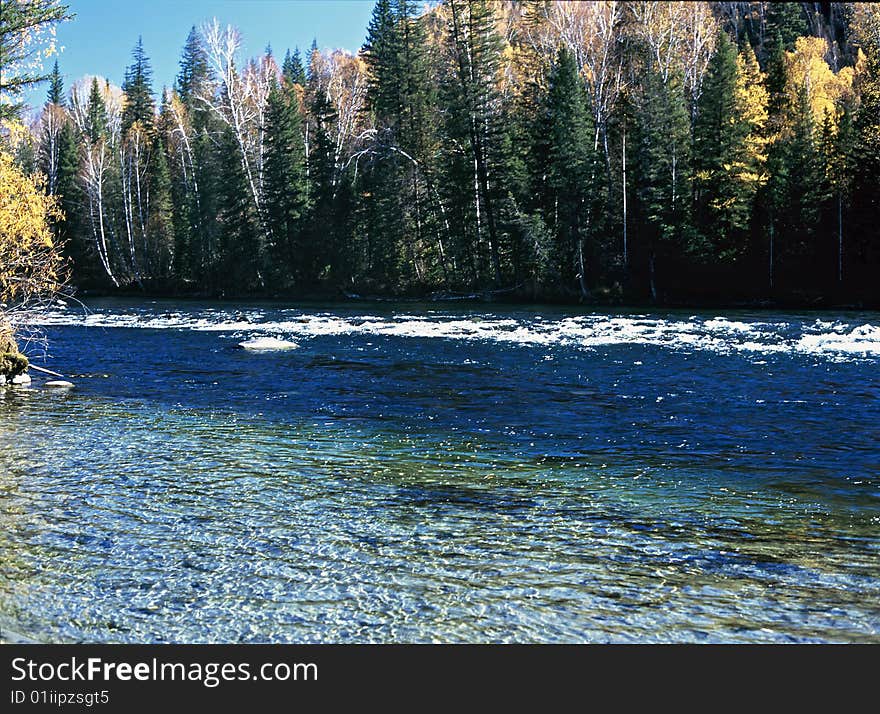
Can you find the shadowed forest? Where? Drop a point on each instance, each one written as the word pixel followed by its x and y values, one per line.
pixel 590 151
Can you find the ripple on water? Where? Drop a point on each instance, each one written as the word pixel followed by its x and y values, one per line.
pixel 432 477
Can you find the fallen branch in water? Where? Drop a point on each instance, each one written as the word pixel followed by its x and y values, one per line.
pixel 46 371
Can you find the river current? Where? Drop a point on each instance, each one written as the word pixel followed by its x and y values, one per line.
pixel 379 472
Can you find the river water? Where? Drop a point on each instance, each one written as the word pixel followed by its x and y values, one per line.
pixel 414 473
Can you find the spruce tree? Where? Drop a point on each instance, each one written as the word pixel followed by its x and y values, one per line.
pixel 71 230
pixel 292 68
pixel 663 172
pixel 285 188
pixel 194 70
pixel 570 169
pixel 139 105
pixel 161 213
pixel 474 121
pixel 96 114
pixel 322 245
pixel 787 21
pixel 866 174
pixel 728 153
pixel 55 95
pixel 240 257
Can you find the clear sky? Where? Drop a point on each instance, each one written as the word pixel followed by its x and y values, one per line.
pixel 100 38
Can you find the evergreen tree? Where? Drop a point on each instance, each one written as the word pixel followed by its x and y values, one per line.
pixel 71 230
pixel 322 247
pixel 787 21
pixel 292 69
pixel 804 192
pixel 571 169
pixel 139 105
pixel 382 53
pixel 55 95
pixel 313 50
pixel 96 114
pixel 663 172
pixel 194 70
pixel 866 174
pixel 474 121
pixel 728 153
pixel 285 189
pixel 240 256
pixel 161 213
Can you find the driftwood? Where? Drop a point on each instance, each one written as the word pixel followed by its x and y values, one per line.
pixel 45 371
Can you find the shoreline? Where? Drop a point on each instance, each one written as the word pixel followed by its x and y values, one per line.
pixel 485 298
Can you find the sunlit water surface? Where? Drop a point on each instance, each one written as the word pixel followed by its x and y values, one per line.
pixel 409 473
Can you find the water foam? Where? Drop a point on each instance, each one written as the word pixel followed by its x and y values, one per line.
pixel 836 341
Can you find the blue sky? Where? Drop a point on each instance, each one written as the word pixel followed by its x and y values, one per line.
pixel 100 38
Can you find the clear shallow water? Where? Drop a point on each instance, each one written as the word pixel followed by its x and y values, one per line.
pixel 415 473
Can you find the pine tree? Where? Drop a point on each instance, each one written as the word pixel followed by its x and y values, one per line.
pixel 55 95
pixel 663 171
pixel 787 21
pixel 194 70
pixel 161 215
pixel 240 256
pixel 474 121
pixel 313 50
pixel 804 193
pixel 866 173
pixel 728 150
pixel 571 169
pixel 292 68
pixel 382 53
pixel 71 230
pixel 322 245
pixel 139 105
pixel 285 189
pixel 96 114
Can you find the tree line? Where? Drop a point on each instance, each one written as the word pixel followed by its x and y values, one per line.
pixel 655 151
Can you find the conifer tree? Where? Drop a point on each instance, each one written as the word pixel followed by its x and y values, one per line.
pixel 728 151
pixel 139 105
pixel 663 171
pixel 292 68
pixel 286 190
pixel 474 122
pixel 194 71
pixel 55 95
pixel 866 170
pixel 96 116
pixel 71 229
pixel 240 256
pixel 786 20
pixel 161 214
pixel 570 169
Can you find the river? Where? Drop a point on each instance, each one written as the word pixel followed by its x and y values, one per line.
pixel 378 472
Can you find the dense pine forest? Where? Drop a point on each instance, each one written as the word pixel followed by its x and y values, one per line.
pixel 587 151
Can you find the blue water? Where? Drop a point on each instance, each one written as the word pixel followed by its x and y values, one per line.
pixel 415 473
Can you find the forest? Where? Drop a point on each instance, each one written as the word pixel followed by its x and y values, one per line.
pixel 645 152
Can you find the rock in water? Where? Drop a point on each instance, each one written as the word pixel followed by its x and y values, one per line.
pixel 23 378
pixel 266 344
pixel 58 384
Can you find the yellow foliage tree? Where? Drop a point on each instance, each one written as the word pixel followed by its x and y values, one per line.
pixel 807 68
pixel 31 268
pixel 751 102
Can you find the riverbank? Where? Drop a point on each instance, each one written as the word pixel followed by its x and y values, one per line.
pixel 488 297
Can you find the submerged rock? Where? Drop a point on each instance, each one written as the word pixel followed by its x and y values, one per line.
pixel 265 344
pixel 58 384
